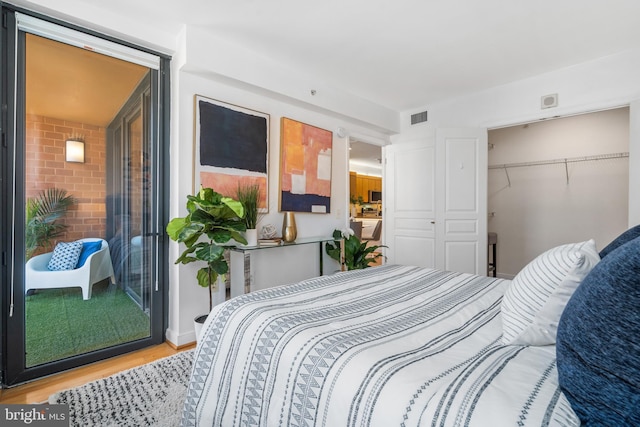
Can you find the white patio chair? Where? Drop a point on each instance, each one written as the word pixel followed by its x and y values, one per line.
pixel 96 268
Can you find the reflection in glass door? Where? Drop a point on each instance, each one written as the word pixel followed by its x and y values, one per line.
pixel 86 153
pixel 128 213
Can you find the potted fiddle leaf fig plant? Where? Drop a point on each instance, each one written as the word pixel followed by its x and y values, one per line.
pixel 212 223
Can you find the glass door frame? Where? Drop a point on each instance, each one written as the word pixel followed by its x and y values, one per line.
pixel 120 147
pixel 12 190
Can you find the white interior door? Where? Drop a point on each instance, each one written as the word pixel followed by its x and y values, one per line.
pixel 436 201
pixel 461 195
pixel 409 201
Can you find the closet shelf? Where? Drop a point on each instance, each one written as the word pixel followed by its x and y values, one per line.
pixel 559 161
pixel 564 161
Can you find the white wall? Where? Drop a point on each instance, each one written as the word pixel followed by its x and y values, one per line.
pixel 604 83
pixel 596 85
pixel 188 300
pixel 209 55
pixel 535 207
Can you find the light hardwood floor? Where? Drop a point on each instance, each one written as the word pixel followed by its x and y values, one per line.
pixel 39 390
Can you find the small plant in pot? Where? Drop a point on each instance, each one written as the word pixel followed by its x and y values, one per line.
pixel 212 223
pixel 249 195
pixel 350 252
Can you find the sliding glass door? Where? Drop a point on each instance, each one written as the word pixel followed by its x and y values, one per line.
pixel 85 218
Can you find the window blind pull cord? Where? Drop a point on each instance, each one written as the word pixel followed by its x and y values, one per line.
pixel 157 184
pixel 13 188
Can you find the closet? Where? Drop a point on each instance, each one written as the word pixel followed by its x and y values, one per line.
pixel 557 181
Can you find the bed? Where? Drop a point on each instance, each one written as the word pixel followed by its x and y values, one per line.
pixel 392 346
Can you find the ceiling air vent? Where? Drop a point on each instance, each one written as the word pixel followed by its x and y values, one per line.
pixel 418 118
pixel 549 101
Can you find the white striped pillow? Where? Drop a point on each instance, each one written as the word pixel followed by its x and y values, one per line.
pixel 534 285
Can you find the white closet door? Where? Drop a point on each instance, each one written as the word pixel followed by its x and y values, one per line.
pixel 436 201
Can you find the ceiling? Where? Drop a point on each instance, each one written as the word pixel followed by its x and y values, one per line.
pixel 402 54
pixel 365 158
pixel 74 84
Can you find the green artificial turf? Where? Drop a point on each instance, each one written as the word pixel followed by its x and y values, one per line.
pixel 59 323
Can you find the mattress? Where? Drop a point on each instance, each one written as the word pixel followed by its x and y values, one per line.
pixel 385 346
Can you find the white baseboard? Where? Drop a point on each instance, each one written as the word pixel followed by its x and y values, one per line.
pixel 179 340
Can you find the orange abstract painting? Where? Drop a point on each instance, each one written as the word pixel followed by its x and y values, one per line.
pixel 305 165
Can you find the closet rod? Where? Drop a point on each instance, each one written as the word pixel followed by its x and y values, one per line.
pixel 563 161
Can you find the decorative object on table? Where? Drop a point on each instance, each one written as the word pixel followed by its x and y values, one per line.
pixel 218 220
pixel 289 230
pixel 231 146
pixel 269 231
pixel 249 195
pixel 42 219
pixel 270 242
pixel 350 252
pixel 305 167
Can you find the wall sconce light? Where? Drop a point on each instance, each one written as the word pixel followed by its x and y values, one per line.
pixel 75 151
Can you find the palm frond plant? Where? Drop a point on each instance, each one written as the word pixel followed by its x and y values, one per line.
pixel 356 255
pixel 43 215
pixel 212 222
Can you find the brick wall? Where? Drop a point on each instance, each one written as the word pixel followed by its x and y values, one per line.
pixel 46 168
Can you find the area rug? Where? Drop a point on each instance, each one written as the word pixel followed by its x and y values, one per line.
pixel 148 395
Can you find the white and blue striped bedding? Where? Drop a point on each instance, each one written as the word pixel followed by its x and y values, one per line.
pixel 385 346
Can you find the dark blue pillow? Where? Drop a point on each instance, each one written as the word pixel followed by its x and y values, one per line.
pixel 598 342
pixel 88 248
pixel 625 237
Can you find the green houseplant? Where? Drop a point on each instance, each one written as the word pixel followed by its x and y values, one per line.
pixel 43 213
pixel 357 254
pixel 249 195
pixel 212 223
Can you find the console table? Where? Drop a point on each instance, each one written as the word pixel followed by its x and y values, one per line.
pixel 240 261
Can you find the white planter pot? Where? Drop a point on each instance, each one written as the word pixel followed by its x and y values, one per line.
pixel 198 322
pixel 252 237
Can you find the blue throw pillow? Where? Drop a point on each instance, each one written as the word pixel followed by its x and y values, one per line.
pixel 598 342
pixel 88 248
pixel 65 256
pixel 625 237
